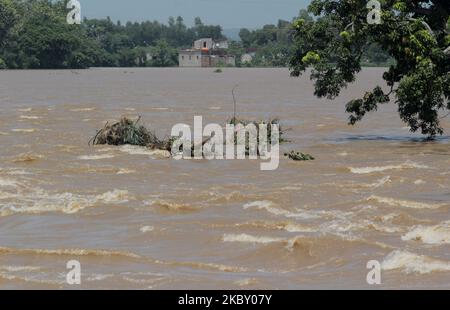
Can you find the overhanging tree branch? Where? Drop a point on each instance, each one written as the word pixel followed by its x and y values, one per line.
pixel 422 11
pixel 424 24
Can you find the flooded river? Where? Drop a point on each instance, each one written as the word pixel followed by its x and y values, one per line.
pixel 137 220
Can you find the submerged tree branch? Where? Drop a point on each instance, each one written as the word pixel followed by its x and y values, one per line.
pixel 234 101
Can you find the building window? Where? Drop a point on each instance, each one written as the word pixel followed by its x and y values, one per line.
pixel 197 57
pixel 204 44
pixel 182 57
pixel 190 58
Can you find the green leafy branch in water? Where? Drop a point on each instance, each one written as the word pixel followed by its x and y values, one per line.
pixel 298 156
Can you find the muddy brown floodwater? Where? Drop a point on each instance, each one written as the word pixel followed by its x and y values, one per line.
pixel 136 220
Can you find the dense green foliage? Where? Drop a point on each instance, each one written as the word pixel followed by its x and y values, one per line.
pixel 414 33
pixel 273 45
pixel 8 17
pixel 35 34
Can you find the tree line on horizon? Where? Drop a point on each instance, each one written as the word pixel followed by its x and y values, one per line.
pixel 34 34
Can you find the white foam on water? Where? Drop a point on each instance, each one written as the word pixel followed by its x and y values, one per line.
pixel 98 277
pixel 389 217
pixel 413 263
pixel 286 226
pixel 30 117
pixel 437 234
pixel 30 279
pixel 19 268
pixel 17 172
pixel 291 188
pixel 299 214
pixel 249 238
pixel 160 109
pixel 114 196
pixel 5 195
pixel 24 130
pixel 263 204
pixel 404 203
pixel 145 229
pixel 268 206
pixel 95 157
pixel 171 206
pixel 298 228
pixel 406 165
pixel 381 182
pixel 246 282
pixel 68 252
pixel 338 223
pixel 82 109
pixel 8 183
pixel 56 283
pixel 139 150
pixel 126 171
pixel 104 148
pixel 35 201
pixel 135 150
pixel 419 182
pixel 346 228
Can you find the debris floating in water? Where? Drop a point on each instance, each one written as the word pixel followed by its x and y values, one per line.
pixel 127 131
pixel 298 156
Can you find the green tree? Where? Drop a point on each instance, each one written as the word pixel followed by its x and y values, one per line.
pixel 207 31
pixel 43 39
pixel 8 18
pixel 246 37
pixel 413 33
pixel 127 57
pixel 163 55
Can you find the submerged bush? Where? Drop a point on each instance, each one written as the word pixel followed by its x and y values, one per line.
pixel 127 131
pixel 235 121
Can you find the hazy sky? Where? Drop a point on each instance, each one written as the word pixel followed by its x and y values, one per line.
pixel 228 13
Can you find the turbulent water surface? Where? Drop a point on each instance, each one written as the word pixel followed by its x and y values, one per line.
pixel 135 219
